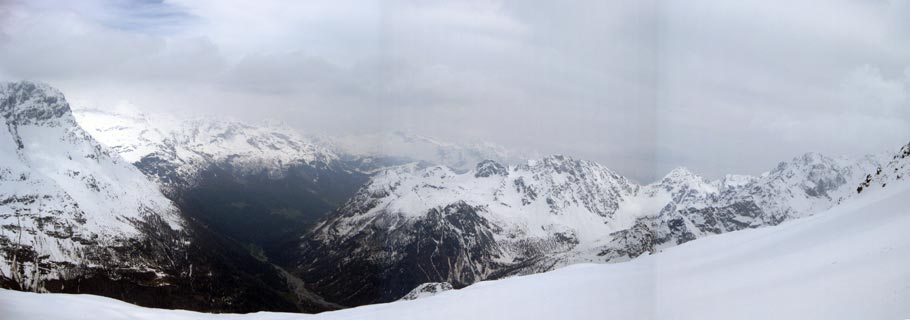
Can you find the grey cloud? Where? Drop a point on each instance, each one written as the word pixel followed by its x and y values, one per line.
pixel 640 86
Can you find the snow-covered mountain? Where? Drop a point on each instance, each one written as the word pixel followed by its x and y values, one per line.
pixel 185 147
pixel 175 151
pixel 848 262
pixel 412 225
pixel 76 217
pixel 67 205
pixel 377 151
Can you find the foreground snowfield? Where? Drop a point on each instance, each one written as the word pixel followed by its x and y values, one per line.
pixel 851 262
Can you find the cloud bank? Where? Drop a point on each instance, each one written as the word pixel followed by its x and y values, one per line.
pixel 639 86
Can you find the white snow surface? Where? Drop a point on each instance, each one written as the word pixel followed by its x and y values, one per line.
pixel 849 262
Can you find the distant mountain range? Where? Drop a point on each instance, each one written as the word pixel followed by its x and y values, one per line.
pixel 411 225
pixel 213 214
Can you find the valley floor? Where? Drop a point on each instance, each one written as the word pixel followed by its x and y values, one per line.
pixel 852 262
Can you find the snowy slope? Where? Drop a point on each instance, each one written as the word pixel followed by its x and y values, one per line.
pixel 846 263
pixel 65 201
pixel 897 169
pixel 436 225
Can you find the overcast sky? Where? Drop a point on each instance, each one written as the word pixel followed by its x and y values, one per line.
pixel 640 86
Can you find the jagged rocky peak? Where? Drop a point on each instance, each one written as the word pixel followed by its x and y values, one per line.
pixel 488 168
pixel 558 163
pixel 32 103
pixel 681 185
pixel 494 223
pixel 547 213
pixel 682 177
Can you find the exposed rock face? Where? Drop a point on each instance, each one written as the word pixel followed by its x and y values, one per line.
pixel 413 225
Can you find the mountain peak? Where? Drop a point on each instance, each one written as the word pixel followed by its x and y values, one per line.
pixel 811 157
pixel 679 172
pixel 27 102
pixel 557 160
pixel 488 168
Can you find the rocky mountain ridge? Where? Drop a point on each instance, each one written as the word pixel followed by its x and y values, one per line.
pixel 412 225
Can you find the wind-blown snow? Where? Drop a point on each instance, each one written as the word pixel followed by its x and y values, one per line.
pixel 849 262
